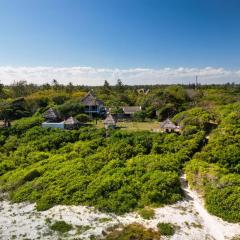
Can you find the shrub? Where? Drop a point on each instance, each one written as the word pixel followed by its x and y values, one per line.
pixel 61 226
pixel 23 124
pixel 166 229
pixel 59 99
pixel 139 116
pixel 70 109
pixel 82 117
pixel 133 231
pixel 147 213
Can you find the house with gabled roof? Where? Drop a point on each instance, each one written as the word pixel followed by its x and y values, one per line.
pixel 92 104
pixel 131 110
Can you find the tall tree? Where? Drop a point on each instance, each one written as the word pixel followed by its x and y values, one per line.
pixel 119 85
pixel 69 88
pixel 106 87
pixel 19 89
pixel 6 113
pixel 1 90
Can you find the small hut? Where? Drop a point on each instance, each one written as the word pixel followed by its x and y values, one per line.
pixel 71 123
pixel 51 115
pixel 110 122
pixel 169 126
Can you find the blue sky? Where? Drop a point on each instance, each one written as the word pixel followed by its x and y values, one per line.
pixel 120 34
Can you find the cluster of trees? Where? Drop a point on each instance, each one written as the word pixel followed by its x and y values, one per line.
pixel 158 102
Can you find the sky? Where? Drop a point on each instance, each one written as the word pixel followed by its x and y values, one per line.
pixel 139 41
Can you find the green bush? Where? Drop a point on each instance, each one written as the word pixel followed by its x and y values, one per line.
pixel 166 229
pixel 139 116
pixel 83 117
pixel 147 213
pixel 59 99
pixel 70 108
pixel 133 231
pixel 61 226
pixel 22 125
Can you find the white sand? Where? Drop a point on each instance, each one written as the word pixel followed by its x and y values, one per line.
pixel 22 221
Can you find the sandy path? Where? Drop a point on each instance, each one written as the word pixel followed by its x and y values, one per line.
pixel 216 227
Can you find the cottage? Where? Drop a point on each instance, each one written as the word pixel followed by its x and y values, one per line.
pixel 92 104
pixel 129 111
pixel 169 126
pixel 71 123
pixel 110 122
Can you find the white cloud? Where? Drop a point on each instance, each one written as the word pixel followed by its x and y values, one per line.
pixel 96 76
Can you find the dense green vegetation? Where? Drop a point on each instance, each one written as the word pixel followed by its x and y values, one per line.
pixel 118 174
pixel 61 226
pixel 147 213
pixel 127 170
pixel 215 170
pixel 166 229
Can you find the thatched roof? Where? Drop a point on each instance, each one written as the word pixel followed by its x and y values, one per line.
pixel 71 121
pixel 168 124
pixel 51 114
pixel 91 100
pixel 131 109
pixel 110 120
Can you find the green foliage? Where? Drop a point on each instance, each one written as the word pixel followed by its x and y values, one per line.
pixel 166 229
pixel 13 109
pixel 133 231
pixel 23 124
pixel 215 170
pixel 61 226
pixel 147 213
pixel 117 174
pixel 70 109
pixel 59 99
pixel 83 117
pixel 139 116
pixel 117 110
pixel 167 110
pixel 197 117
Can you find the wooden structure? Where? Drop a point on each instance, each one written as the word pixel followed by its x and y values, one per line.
pixel 169 126
pixel 110 122
pixel 71 123
pixel 129 111
pixel 52 119
pixel 92 104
